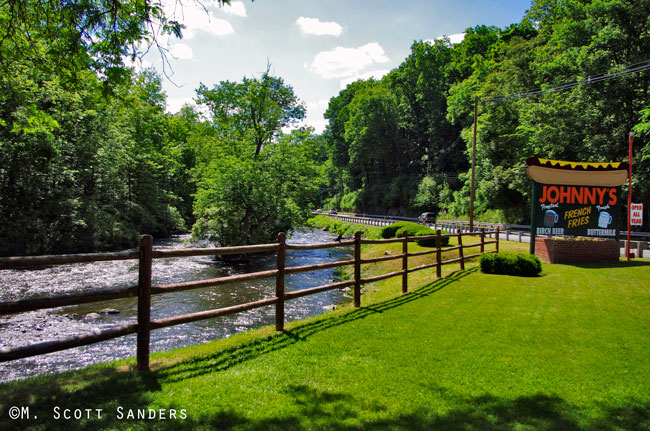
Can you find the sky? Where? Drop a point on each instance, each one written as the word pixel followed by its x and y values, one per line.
pixel 317 47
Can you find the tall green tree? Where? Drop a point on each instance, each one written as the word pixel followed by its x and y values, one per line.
pixel 255 109
pixel 253 179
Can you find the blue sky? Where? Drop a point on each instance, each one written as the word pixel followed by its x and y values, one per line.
pixel 317 47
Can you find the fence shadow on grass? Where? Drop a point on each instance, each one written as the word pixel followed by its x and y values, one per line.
pixel 306 407
pixel 107 388
pixel 229 357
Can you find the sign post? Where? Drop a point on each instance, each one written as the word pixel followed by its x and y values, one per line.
pixel 629 200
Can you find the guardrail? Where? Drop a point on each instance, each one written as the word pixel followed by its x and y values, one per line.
pixel 144 289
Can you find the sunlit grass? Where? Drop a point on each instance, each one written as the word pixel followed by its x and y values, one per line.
pixel 564 351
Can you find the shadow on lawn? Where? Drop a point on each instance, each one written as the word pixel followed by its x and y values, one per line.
pixel 310 408
pixel 307 407
pixel 337 411
pixel 226 358
pixel 108 388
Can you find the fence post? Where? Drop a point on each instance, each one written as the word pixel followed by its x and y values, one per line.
pixel 405 265
pixel 460 250
pixel 144 301
pixel 497 237
pixel 438 254
pixel 482 240
pixel 279 282
pixel 357 269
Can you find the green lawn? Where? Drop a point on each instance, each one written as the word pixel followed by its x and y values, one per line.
pixel 565 351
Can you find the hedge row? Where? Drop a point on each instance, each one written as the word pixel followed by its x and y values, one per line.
pixel 396 230
pixel 510 263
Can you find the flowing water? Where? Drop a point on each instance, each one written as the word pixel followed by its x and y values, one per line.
pixel 58 323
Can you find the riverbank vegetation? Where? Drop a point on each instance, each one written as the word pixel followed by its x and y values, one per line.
pixel 89 159
pixel 344 228
pixel 470 350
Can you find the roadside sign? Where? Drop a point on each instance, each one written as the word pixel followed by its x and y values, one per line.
pixel 636 214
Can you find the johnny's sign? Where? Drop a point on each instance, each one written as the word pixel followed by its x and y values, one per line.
pixel 577 210
pixel 575 199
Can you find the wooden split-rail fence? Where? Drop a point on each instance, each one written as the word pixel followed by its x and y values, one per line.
pixel 144 289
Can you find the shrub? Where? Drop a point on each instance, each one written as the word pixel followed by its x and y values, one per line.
pixel 396 230
pixel 389 231
pixel 412 229
pixel 509 263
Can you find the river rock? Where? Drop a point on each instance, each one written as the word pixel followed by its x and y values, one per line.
pixel 92 316
pixel 109 311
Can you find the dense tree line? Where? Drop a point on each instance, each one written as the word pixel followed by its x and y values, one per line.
pixel 89 159
pixel 81 171
pixel 402 144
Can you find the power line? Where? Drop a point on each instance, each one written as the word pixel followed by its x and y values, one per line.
pixel 640 67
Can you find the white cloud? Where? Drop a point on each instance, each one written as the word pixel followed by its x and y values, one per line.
pixel 315 111
pixel 236 8
pixel 453 38
pixel 318 27
pixel 174 104
pixel 377 74
pixel 196 18
pixel 347 62
pixel 181 51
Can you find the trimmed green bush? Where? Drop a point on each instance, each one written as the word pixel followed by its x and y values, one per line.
pixel 389 231
pixel 396 230
pixel 509 263
pixel 412 229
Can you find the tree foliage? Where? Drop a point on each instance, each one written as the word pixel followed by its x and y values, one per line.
pixel 95 35
pixel 590 42
pixel 254 180
pixel 72 181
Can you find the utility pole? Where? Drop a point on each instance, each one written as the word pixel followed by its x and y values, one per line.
pixel 629 199
pixel 471 192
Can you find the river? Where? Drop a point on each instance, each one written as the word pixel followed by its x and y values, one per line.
pixel 51 324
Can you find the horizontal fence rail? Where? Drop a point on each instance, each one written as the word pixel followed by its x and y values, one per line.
pixel 144 289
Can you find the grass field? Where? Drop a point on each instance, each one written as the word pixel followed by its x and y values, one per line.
pixel 565 351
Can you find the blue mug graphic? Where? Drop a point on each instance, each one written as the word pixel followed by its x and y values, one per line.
pixel 550 218
pixel 604 219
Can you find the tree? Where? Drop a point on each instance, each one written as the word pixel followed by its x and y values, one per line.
pixel 253 179
pixel 253 110
pixel 94 35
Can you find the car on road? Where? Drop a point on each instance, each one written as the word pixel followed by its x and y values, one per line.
pixel 427 218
